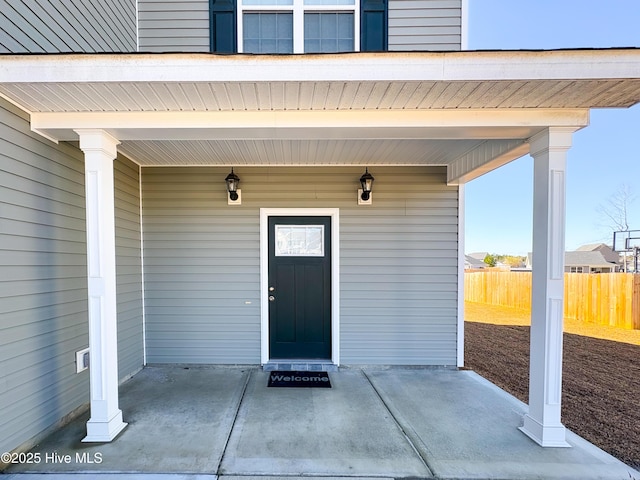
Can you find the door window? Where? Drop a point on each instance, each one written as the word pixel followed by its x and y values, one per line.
pixel 299 241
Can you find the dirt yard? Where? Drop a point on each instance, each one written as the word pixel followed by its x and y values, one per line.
pixel 601 374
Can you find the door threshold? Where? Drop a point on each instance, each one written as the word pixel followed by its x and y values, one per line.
pixel 303 365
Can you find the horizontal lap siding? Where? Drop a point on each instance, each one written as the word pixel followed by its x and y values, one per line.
pixel 425 25
pixel 398 269
pixel 183 25
pixel 201 267
pixel 202 261
pixel 64 26
pixel 128 267
pixel 43 286
pixel 174 25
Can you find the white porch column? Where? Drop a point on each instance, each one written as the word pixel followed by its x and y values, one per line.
pixel 542 423
pixel 106 418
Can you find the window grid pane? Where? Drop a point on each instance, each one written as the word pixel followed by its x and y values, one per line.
pixel 328 32
pixel 267 32
pixel 267 2
pixel 329 2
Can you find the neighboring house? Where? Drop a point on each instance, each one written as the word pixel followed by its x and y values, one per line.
pixel 471 263
pixel 503 266
pixel 479 255
pixel 118 232
pixel 607 252
pixel 585 261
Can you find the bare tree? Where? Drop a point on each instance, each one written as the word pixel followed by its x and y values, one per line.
pixel 615 213
pixel 615 210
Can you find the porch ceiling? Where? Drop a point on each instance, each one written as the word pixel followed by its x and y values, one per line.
pixel 296 152
pixel 349 109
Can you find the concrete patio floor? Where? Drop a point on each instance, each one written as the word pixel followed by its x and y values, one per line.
pixel 223 422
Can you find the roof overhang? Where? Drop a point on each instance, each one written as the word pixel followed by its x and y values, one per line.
pixel 470 111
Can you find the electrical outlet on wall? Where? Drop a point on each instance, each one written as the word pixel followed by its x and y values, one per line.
pixel 82 360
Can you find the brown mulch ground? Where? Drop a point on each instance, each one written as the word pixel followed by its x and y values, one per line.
pixel 601 381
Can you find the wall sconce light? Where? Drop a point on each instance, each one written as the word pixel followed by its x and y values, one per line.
pixel 232 182
pixel 364 193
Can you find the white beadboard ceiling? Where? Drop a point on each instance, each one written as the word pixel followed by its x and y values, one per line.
pixel 130 95
pixel 296 152
pixel 306 95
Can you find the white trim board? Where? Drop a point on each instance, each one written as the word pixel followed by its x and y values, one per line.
pixel 572 65
pixel 461 260
pixel 265 213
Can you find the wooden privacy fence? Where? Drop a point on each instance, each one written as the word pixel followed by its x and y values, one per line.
pixel 604 298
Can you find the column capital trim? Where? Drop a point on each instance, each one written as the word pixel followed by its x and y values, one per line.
pixel 93 139
pixel 552 138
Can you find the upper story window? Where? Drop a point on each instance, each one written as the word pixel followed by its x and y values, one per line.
pixel 298 26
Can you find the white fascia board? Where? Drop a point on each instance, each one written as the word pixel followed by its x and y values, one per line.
pixel 544 65
pixel 386 66
pixel 436 124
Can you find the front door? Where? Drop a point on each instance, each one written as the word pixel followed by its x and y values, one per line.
pixel 300 287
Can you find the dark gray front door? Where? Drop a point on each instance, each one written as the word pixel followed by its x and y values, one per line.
pixel 300 287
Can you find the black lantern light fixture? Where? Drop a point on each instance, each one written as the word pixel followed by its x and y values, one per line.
pixel 366 181
pixel 232 181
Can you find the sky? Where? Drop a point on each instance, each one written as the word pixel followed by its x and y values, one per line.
pixel 603 157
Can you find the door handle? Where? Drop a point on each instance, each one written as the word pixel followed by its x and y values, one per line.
pixel 272 289
pixel 271 298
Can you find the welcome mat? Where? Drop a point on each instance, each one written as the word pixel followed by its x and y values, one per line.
pixel 299 379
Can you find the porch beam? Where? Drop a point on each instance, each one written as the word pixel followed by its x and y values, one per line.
pixel 289 124
pixel 106 417
pixel 549 152
pixel 486 157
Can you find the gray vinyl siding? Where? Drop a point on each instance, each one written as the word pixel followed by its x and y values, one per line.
pixel 128 267
pixel 183 25
pixel 399 270
pixel 398 261
pixel 174 25
pixel 64 26
pixel 425 25
pixel 43 295
pixel 201 264
pixel 43 280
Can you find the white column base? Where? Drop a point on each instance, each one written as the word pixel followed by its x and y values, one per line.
pixel 545 435
pixel 100 431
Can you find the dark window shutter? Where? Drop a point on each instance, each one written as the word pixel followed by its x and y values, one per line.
pixel 373 25
pixel 223 26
